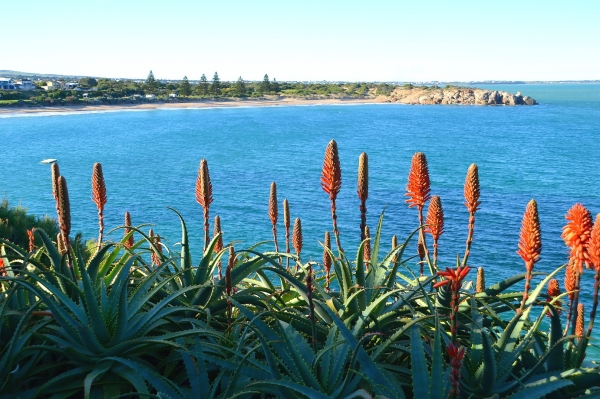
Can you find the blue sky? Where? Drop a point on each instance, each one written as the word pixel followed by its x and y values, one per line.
pixel 306 40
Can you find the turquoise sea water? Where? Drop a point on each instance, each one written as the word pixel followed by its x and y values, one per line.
pixel 549 152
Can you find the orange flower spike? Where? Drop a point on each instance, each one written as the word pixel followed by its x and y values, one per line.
pixel 530 243
pixel 31 240
pixel 593 246
pixel 418 187
pixel 331 175
pixel 472 191
pixel 579 324
pixel 331 182
pixel 570 281
pixel 553 292
pixel 204 195
pixel 576 234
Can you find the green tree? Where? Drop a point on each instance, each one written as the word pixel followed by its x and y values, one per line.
pixel 203 85
pixel 275 86
pixel 240 87
pixel 151 83
pixel 216 85
pixel 185 89
pixel 265 86
pixel 85 83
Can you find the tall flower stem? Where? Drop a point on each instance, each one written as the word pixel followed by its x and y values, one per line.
pixel 204 196
pixel 99 198
pixel 273 213
pixel 327 260
pixel 286 223
pixel 363 191
pixel 472 193
pixel 331 182
pixel 595 303
pixel 418 191
pixel 297 241
pixel 313 321
pixel 219 244
pixel 530 245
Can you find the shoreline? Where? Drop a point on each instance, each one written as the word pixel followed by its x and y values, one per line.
pixel 8 111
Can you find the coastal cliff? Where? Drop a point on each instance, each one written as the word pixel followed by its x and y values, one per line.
pixel 455 95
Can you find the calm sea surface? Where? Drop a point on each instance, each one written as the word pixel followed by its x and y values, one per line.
pixel 550 152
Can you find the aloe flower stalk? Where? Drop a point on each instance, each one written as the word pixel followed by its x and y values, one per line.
pixel 367 250
pixel 394 246
pixel 435 223
pixel 418 191
pixel 204 196
pixel 219 243
pixel 576 234
pixel 31 240
pixel 2 268
pixel 580 320
pixel 311 305
pixel 273 212
pixel 594 255
pixel 153 258
pixel 530 244
pixel 331 182
pixel 363 191
pixel 327 260
pixel 64 216
pixel 421 254
pixel 99 197
pixel 554 291
pixel 454 278
pixel 229 282
pixel 286 224
pixel 55 175
pixel 60 244
pixel 472 203
pixel 130 241
pixel 456 355
pixel 297 240
pixel 480 286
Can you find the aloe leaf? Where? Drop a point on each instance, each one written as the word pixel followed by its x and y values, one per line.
pixel 540 391
pixel 94 263
pixel 360 275
pixel 186 258
pixel 381 383
pixel 101 368
pixel 486 374
pixel 436 384
pixel 301 289
pixel 420 374
pixel 203 273
pixel 538 289
pixel 96 317
pixel 392 274
pixel 555 359
pixel 376 243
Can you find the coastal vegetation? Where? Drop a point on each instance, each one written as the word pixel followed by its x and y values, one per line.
pixel 115 91
pixel 133 316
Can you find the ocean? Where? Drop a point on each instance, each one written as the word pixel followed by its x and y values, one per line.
pixel 549 152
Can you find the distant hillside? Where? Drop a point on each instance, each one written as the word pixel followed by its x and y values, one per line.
pixel 6 73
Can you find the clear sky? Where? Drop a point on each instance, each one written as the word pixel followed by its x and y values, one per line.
pixel 372 40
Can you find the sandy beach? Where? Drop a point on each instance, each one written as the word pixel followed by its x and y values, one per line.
pixel 182 105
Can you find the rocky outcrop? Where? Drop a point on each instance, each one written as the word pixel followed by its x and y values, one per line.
pixel 456 95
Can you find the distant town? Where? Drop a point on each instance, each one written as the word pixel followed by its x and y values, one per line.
pixel 33 90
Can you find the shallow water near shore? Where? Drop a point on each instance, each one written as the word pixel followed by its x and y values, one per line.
pixel 549 152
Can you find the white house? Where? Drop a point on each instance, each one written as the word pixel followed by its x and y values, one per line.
pixel 71 85
pixel 173 95
pixel 7 84
pixel 150 96
pixel 24 84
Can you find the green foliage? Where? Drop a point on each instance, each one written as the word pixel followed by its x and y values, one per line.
pixel 14 223
pixel 185 89
pixel 105 321
pixel 240 87
pixel 215 87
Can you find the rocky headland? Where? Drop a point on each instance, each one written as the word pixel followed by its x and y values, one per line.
pixel 455 95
